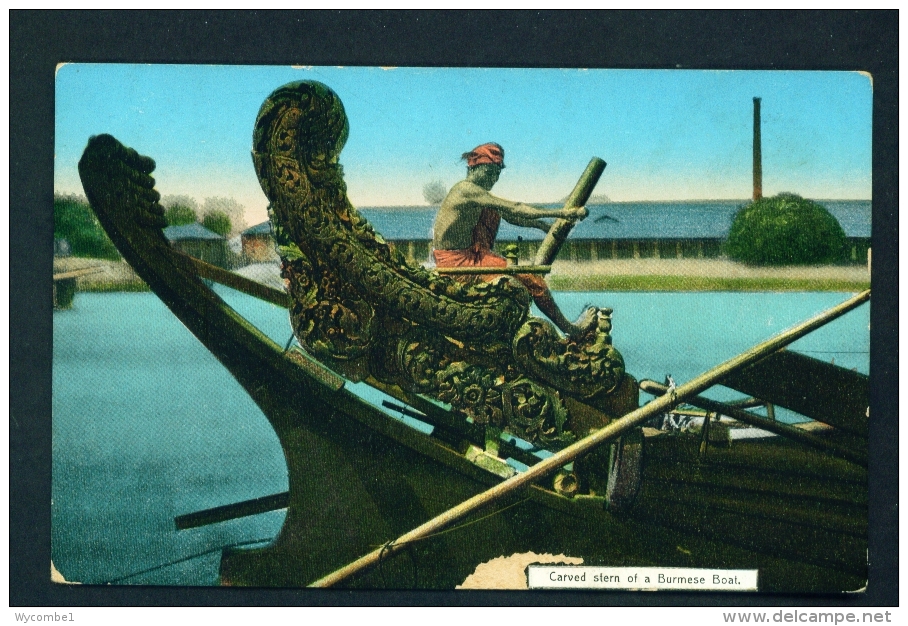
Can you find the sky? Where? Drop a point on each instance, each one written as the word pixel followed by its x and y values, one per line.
pixel 665 134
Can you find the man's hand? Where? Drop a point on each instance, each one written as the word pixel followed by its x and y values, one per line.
pixel 576 214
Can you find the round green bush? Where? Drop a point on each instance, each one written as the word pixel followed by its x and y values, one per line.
pixel 180 214
pixel 217 222
pixel 785 230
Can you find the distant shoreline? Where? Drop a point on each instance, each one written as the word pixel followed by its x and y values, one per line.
pixel 703 283
pixel 704 275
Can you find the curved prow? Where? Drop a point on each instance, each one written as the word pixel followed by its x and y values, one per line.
pixel 119 186
pixel 306 404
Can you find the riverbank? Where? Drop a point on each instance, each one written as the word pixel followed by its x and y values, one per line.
pixel 703 275
pixel 110 275
pixel 609 275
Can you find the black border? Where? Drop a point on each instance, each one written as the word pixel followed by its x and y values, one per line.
pixel 852 40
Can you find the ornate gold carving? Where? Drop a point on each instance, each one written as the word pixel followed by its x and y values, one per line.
pixel 362 310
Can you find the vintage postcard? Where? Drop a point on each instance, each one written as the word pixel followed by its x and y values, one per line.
pixel 461 328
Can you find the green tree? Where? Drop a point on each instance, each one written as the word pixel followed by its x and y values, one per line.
pixel 785 230
pixel 179 214
pixel 217 222
pixel 75 221
pixel 229 207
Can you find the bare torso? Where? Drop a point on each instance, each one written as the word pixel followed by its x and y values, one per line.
pixel 462 207
pixel 458 215
pixel 469 215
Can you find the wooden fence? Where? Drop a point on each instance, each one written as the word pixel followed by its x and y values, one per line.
pixel 585 250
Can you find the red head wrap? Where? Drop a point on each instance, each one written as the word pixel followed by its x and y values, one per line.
pixel 486 153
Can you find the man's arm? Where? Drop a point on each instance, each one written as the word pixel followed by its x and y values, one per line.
pixel 520 214
pixel 531 223
pixel 528 216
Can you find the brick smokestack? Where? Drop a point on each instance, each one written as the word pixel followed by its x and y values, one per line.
pixel 758 153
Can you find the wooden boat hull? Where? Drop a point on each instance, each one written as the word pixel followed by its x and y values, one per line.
pixel 359 478
pixel 794 514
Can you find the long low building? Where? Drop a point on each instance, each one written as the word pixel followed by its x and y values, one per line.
pixel 621 230
pixel 624 230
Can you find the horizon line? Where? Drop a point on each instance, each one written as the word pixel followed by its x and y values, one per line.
pixel 653 201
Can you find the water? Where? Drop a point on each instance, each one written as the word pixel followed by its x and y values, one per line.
pixel 684 334
pixel 147 425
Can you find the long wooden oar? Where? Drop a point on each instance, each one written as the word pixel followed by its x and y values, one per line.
pixel 560 229
pixel 616 428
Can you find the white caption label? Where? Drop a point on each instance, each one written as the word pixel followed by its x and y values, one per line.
pixel 640 578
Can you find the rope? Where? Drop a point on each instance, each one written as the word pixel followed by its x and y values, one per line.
pixel 186 558
pixel 836 351
pixel 390 544
pixel 381 561
pixel 408 544
pixel 387 546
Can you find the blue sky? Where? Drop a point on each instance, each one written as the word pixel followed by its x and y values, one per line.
pixel 666 134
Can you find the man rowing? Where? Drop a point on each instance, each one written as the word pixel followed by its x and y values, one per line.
pixel 468 220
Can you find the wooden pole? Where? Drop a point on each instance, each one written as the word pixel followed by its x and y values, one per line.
pixel 589 443
pixel 561 228
pixel 233 511
pixel 758 153
pixel 704 434
pixel 235 281
pixel 509 270
pixel 771 425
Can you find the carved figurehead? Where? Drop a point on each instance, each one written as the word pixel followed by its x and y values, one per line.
pixel 359 308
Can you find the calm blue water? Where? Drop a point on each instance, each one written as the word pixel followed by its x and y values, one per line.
pixel 630 220
pixel 147 425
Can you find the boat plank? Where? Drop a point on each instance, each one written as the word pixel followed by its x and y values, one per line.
pixel 819 390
